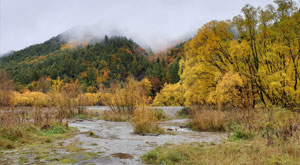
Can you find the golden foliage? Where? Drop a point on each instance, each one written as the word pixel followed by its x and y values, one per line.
pixel 170 95
pixel 260 62
pixel 31 99
pixel 88 99
pixel 74 44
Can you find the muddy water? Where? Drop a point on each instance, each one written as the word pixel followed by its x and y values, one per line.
pixel 118 145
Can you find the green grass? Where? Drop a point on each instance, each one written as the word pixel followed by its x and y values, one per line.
pixel 67 161
pixel 80 116
pixel 23 160
pixel 54 129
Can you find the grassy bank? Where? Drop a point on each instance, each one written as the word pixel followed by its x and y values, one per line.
pixel 17 136
pixel 238 152
pixel 261 136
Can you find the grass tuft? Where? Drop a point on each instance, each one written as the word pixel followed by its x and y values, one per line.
pixel 146 121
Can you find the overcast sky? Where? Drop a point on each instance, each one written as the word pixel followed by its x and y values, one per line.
pixel 149 22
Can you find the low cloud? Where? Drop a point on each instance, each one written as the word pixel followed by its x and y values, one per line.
pixel 151 23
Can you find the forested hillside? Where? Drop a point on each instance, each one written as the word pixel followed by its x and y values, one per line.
pixel 112 59
pixel 93 63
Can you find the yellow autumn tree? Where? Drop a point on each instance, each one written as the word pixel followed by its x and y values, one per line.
pixel 170 95
pixel 254 58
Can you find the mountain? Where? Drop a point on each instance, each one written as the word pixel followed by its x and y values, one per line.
pixel 91 62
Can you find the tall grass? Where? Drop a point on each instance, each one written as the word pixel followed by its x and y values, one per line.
pixel 260 136
pixel 125 98
pixel 270 123
pixel 20 127
pixel 146 121
pixel 208 120
pixel 253 152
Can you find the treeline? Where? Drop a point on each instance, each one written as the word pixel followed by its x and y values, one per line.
pixel 93 65
pixel 251 59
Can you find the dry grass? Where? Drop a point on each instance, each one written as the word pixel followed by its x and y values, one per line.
pixel 21 127
pixel 252 152
pixel 15 136
pixel 146 121
pixel 5 89
pixel 115 116
pixel 208 120
pixel 267 122
pixel 125 98
pixel 262 136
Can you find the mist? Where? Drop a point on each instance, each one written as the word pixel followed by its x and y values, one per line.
pixel 153 24
pixel 155 41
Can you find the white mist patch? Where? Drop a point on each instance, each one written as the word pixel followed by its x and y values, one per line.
pixel 155 40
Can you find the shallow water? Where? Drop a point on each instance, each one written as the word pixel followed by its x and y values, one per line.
pixel 113 142
pixel 118 137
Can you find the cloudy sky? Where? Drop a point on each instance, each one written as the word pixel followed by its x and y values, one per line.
pixel 152 23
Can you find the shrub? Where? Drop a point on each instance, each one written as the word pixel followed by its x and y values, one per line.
pixel 145 121
pixel 32 99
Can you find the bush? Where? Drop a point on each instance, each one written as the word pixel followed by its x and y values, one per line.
pixel 32 99
pixel 145 121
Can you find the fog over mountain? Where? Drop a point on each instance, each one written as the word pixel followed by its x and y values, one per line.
pixel 151 23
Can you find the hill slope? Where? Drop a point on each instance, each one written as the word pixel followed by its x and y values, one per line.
pixel 113 58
